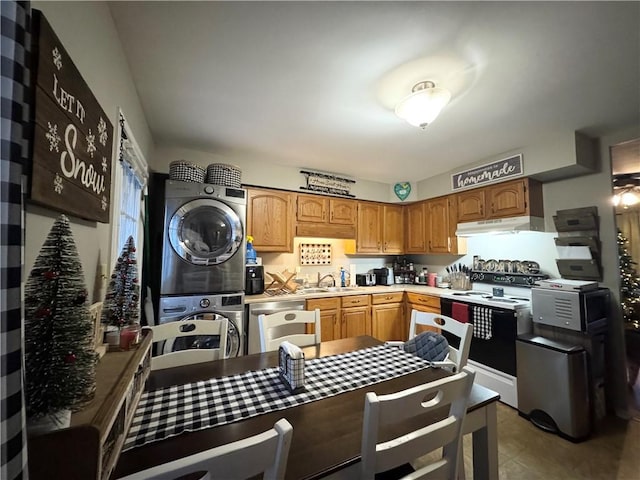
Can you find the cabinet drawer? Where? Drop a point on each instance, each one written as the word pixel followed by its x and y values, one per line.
pixel 378 298
pixel 331 303
pixel 355 301
pixel 426 300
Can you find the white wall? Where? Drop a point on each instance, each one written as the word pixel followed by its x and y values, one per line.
pixel 258 172
pixel 88 34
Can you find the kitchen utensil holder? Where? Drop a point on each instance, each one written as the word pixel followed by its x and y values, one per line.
pixel 460 281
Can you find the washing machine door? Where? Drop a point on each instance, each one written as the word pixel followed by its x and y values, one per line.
pixel 205 232
pixel 205 341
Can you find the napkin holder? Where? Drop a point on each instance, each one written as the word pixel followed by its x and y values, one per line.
pixel 291 366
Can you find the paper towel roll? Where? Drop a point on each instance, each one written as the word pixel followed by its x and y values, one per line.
pixel 352 275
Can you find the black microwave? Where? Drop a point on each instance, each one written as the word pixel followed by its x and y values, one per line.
pixel 574 310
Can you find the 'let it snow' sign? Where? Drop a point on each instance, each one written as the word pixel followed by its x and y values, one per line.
pixel 71 169
pixel 489 173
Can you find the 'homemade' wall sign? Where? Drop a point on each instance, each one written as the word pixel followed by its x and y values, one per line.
pixel 326 183
pixel 71 169
pixel 489 173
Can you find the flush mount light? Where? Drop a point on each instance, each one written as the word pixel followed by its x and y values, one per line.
pixel 424 104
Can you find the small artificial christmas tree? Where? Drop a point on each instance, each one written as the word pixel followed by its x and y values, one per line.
pixel 60 360
pixel 121 303
pixel 629 283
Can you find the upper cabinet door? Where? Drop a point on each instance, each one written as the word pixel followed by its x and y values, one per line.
pixel 416 229
pixel 270 220
pixel 342 211
pixel 393 229
pixel 312 208
pixel 507 199
pixel 471 205
pixel 369 233
pixel 438 225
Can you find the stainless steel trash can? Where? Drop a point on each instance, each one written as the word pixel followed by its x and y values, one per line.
pixel 553 390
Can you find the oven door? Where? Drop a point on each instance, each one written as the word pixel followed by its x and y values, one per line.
pixel 498 352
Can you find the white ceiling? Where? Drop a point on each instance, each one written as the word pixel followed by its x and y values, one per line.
pixel 314 84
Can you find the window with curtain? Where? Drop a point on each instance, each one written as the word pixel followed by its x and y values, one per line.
pixel 130 186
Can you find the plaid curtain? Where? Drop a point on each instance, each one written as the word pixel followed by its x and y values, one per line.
pixel 15 146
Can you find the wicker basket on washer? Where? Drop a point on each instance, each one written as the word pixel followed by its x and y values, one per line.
pixel 223 174
pixel 186 171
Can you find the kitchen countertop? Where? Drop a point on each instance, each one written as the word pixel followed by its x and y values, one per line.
pixel 424 289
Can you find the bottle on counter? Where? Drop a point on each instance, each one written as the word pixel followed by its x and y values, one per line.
pixel 252 255
pixel 343 277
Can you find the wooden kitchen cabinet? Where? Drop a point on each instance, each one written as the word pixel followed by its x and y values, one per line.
pixel 330 321
pixel 387 317
pixel 342 317
pixel 369 230
pixel 356 315
pixel 380 229
pixel 507 199
pixel 471 205
pixel 319 216
pixel 416 241
pixel 270 219
pixel 514 198
pixel 99 429
pixel 441 224
pixel 422 303
pixel 392 229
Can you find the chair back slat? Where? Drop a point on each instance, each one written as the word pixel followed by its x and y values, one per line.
pixel 188 328
pixel 266 452
pixel 457 356
pixel 412 406
pixel 276 328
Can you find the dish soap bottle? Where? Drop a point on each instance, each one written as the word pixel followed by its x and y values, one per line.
pixel 343 277
pixel 252 255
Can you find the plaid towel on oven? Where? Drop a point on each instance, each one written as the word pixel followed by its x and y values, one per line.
pixel 186 408
pixel 482 322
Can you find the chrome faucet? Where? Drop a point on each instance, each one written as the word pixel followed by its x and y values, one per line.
pixel 328 275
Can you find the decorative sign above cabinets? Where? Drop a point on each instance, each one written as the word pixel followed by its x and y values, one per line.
pixel 73 137
pixel 490 173
pixel 328 183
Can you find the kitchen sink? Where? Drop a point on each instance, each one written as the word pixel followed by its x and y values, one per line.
pixel 341 289
pixel 313 290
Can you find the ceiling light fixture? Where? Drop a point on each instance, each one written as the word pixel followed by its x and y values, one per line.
pixel 626 190
pixel 424 104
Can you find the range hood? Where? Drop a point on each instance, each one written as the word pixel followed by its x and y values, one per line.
pixel 501 225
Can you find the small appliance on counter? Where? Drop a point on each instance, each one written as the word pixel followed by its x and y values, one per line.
pixel 384 276
pixel 254 280
pixel 365 279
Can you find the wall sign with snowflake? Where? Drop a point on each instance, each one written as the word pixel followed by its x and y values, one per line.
pixel 73 137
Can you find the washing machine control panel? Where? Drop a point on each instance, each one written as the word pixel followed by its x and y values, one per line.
pixel 205 302
pixel 208 189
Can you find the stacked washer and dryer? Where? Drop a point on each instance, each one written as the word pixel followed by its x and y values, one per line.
pixel 203 261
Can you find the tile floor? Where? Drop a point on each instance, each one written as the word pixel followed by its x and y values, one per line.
pixel 526 452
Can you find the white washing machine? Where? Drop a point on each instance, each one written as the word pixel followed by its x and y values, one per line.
pixel 205 307
pixel 204 243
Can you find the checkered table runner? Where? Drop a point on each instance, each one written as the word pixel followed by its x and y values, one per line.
pixel 195 406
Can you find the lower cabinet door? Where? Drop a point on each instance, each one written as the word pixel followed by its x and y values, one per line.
pixel 356 321
pixel 387 322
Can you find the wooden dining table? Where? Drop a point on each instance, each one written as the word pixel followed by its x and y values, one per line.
pixel 326 433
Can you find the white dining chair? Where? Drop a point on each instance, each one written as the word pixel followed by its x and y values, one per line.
pixel 266 453
pixel 382 412
pixel 188 328
pixel 290 326
pixel 457 357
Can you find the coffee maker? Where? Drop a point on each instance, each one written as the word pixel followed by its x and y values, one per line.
pixel 384 276
pixel 254 280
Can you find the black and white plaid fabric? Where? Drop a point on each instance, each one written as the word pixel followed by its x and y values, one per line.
pixel 482 322
pixel 195 406
pixel 15 153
